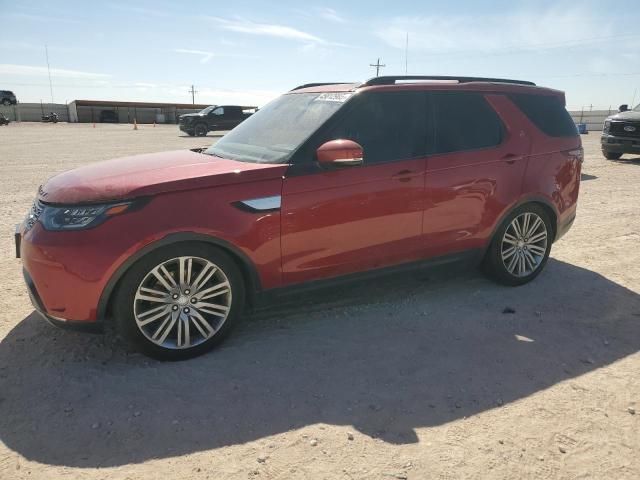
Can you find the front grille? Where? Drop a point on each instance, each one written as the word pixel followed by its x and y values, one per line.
pixel 33 215
pixel 625 129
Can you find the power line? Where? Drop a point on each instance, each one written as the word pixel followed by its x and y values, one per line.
pixel 517 48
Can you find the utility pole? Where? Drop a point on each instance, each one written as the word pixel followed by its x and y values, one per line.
pixel 193 92
pixel 406 55
pixel 378 66
pixel 46 51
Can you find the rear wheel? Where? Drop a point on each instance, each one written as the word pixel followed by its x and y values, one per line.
pixel 6 101
pixel 180 301
pixel 200 130
pixel 520 248
pixel 611 155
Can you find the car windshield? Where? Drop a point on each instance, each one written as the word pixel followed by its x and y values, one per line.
pixel 274 132
pixel 204 111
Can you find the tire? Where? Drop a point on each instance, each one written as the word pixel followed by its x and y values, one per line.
pixel 6 101
pixel 200 130
pixel 187 326
pixel 533 254
pixel 611 155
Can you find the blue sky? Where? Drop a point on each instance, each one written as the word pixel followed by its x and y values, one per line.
pixel 250 51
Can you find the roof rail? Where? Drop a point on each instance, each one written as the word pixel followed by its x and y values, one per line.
pixel 309 85
pixel 391 80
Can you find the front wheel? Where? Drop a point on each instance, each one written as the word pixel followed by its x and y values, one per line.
pixel 520 248
pixel 180 301
pixel 6 101
pixel 200 130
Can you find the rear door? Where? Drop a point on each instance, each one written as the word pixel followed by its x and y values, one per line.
pixel 475 171
pixel 357 218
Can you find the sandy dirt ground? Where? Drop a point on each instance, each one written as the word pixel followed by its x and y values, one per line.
pixel 417 376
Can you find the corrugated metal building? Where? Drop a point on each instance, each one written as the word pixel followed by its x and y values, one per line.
pixel 99 111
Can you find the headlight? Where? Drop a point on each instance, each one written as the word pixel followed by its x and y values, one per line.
pixel 81 216
pixel 607 125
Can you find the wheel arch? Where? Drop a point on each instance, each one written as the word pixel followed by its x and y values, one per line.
pixel 547 205
pixel 247 268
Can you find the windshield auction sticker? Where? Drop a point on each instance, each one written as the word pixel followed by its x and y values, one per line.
pixel 339 97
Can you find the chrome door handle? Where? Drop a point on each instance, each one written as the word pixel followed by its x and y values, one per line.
pixel 510 158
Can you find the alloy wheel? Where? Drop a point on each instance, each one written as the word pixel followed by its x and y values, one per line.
pixel 524 244
pixel 182 302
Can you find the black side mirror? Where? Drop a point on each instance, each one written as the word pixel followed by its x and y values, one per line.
pixel 623 108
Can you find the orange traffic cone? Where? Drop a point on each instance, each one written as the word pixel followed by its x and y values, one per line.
pixel 135 124
pixel 94 124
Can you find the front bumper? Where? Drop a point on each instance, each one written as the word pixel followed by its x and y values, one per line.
pixel 186 128
pixel 36 301
pixel 63 283
pixel 611 143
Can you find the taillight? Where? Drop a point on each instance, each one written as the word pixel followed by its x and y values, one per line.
pixel 577 154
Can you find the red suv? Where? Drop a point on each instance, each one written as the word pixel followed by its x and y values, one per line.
pixel 327 182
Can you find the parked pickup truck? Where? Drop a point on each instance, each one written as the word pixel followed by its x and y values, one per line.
pixel 621 133
pixel 215 117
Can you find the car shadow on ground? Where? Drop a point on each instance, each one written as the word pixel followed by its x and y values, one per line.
pixel 633 159
pixel 385 357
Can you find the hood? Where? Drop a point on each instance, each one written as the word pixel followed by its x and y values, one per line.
pixel 628 115
pixel 189 115
pixel 150 174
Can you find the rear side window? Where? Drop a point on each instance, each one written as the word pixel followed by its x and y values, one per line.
pixel 464 121
pixel 547 113
pixel 388 125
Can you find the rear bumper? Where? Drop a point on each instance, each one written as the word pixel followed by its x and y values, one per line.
pixel 564 226
pixel 615 144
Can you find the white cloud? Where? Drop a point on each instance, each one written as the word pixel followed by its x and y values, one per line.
pixel 28 70
pixel 330 14
pixel 535 30
pixel 206 56
pixel 241 25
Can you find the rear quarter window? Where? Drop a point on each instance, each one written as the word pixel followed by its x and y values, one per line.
pixel 465 121
pixel 547 113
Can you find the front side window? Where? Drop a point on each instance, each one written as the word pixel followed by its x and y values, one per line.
pixel 218 111
pixel 388 125
pixel 464 121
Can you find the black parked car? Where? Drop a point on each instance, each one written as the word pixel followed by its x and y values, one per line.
pixel 7 97
pixel 621 133
pixel 215 117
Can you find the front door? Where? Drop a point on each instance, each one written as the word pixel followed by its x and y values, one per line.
pixel 358 218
